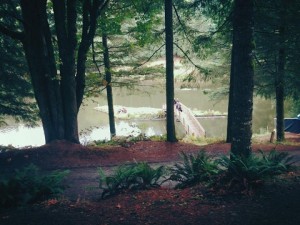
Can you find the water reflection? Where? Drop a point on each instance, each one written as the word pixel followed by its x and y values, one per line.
pixel 214 127
pixel 93 125
pixel 21 136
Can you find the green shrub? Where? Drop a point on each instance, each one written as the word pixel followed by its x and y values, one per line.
pixel 281 162
pixel 127 177
pixel 28 185
pixel 194 169
pixel 248 173
pixel 146 176
pixel 159 137
pixel 202 140
pixel 124 141
pixel 6 148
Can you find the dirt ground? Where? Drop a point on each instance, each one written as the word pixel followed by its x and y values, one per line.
pixel 275 203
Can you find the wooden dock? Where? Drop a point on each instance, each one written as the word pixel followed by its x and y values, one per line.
pixel 190 123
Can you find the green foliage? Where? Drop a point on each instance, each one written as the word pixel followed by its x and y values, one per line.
pixel 194 170
pixel 16 96
pixel 248 173
pixel 133 30
pixel 6 148
pixel 159 137
pixel 279 161
pixel 295 108
pixel 235 173
pixel 122 140
pixel 130 177
pixel 269 18
pixel 201 140
pixel 146 176
pixel 29 185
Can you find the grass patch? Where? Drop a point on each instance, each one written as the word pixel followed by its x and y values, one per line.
pixel 202 140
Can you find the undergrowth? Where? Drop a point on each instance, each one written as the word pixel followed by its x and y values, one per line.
pixel 130 177
pixel 246 174
pixel 29 185
pixel 227 173
pixel 194 169
pixel 202 140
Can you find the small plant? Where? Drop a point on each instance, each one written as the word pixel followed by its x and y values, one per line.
pixel 248 173
pixel 194 169
pixel 201 140
pixel 121 180
pixel 6 148
pixel 128 177
pixel 280 161
pixel 28 186
pixel 146 176
pixel 162 137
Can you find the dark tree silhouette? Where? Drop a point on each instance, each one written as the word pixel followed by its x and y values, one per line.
pixel 242 70
pixel 171 136
pixel 58 94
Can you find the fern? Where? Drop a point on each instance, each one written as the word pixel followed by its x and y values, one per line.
pixel 254 170
pixel 146 176
pixel 28 185
pixel 128 177
pixel 194 169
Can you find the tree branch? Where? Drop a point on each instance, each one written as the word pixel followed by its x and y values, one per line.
pixel 181 24
pixel 189 59
pixel 20 36
pixel 149 57
pixel 94 58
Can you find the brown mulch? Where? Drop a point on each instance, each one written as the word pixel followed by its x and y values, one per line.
pixel 275 203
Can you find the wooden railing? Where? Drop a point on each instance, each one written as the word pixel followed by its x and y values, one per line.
pixel 191 125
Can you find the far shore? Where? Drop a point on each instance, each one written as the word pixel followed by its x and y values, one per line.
pixel 148 113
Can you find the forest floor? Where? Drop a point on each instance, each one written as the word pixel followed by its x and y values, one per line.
pixel 81 204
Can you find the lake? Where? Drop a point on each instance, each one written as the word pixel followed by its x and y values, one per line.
pixel 93 125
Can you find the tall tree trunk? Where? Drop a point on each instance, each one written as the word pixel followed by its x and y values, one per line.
pixel 90 14
pixel 40 58
pixel 108 87
pixel 230 103
pixel 171 136
pixel 243 45
pixel 65 15
pixel 58 96
pixel 279 82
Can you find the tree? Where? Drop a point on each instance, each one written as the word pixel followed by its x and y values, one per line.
pixel 230 102
pixel 243 73
pixel 109 93
pixel 126 32
pixel 58 94
pixel 171 136
pixel 277 55
pixel 279 81
pixel 15 87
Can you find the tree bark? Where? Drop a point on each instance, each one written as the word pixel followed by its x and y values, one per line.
pixel 108 86
pixel 171 136
pixel 243 45
pixel 65 22
pixel 90 13
pixel 230 103
pixel 58 96
pixel 41 62
pixel 279 82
